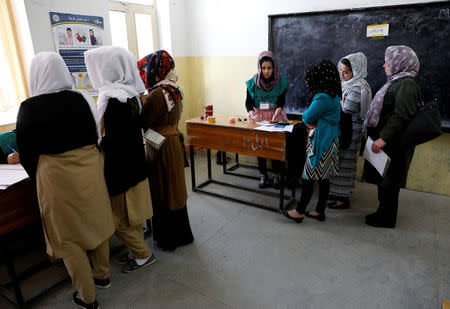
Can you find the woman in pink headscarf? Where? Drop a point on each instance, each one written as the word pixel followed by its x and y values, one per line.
pixel 389 114
pixel 266 92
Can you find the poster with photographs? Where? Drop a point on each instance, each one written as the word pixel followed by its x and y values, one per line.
pixel 73 35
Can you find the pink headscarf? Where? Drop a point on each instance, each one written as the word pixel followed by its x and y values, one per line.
pixel 267 84
pixel 402 62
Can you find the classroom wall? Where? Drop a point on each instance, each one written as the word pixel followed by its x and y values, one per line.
pixel 215 44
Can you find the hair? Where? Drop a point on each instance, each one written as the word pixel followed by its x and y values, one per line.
pixel 91 30
pixel 347 63
pixel 68 29
pixel 266 59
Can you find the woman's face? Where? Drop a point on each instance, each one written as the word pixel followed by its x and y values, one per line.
pixel 266 69
pixel 346 72
pixel 387 69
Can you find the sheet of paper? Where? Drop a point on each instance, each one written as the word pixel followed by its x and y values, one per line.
pixel 11 174
pixel 154 138
pixel 277 128
pixel 264 123
pixel 379 160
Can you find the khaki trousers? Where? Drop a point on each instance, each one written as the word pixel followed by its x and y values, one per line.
pixel 77 264
pixel 131 236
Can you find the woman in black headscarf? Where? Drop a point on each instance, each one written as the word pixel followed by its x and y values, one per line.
pixel 322 118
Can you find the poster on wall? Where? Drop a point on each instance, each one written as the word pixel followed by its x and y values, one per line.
pixel 73 35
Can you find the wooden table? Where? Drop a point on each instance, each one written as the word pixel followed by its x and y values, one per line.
pixel 19 208
pixel 240 138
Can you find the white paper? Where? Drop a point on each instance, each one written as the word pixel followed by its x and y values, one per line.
pixel 154 138
pixel 288 128
pixel 378 30
pixel 11 174
pixel 264 123
pixel 379 160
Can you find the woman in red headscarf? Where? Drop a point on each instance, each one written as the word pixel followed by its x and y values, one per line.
pixel 161 111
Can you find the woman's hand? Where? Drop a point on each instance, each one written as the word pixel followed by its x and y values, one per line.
pixel 377 145
pixel 312 125
pixel 13 158
pixel 253 117
pixel 276 114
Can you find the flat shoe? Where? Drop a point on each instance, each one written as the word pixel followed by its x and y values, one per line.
pixel 334 205
pixel 297 220
pixel 319 217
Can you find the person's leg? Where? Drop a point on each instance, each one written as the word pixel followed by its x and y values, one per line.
pixel 324 190
pixel 264 181
pixel 79 269
pixel 276 169
pixel 305 198
pixel 100 261
pixel 130 236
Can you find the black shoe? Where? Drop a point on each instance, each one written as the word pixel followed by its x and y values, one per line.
pixel 376 220
pixel 102 283
pixel 264 182
pixel 132 266
pixel 297 220
pixel 334 205
pixel 276 182
pixel 320 217
pixel 80 303
pixel 122 259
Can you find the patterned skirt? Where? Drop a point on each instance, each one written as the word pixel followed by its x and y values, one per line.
pixel 327 166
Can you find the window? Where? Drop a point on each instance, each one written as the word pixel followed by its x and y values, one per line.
pixel 13 85
pixel 133 26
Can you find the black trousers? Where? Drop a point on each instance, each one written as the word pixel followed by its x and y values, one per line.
pixel 307 192
pixel 262 166
pixel 388 208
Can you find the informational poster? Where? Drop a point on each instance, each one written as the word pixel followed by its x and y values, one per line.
pixel 73 35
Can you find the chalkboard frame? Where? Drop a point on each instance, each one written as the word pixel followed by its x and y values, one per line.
pixel 446 121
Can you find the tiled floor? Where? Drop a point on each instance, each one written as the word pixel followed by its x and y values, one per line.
pixel 246 258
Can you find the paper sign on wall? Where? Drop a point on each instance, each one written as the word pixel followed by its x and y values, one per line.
pixel 377 30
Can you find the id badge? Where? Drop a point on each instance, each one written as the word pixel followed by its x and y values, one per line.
pixel 264 105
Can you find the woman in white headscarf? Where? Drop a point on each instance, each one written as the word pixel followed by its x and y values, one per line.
pixel 356 98
pixel 57 140
pixel 113 71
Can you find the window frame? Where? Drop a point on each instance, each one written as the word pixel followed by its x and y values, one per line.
pixel 130 9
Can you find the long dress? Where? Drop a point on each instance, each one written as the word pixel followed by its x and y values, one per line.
pixel 171 227
pixel 342 184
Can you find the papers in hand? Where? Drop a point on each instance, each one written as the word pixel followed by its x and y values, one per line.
pixel 379 160
pixel 154 138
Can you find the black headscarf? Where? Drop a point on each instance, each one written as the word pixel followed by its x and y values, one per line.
pixel 323 77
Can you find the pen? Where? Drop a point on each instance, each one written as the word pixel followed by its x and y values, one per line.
pixel 11 148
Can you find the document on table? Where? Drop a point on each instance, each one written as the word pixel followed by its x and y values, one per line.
pixel 265 123
pixel 379 160
pixel 11 174
pixel 276 128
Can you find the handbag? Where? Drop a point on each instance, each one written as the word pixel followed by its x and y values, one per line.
pixel 424 126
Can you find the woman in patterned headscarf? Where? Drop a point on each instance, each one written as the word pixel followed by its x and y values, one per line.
pixel 389 114
pixel 356 98
pixel 161 112
pixel 322 117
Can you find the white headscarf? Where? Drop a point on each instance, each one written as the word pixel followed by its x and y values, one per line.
pixel 358 61
pixel 49 74
pixel 113 71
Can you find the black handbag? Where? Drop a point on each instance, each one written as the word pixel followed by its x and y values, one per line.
pixel 424 126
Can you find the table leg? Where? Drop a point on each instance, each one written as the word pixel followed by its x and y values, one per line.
pixel 208 156
pixel 191 154
pixel 14 279
pixel 237 159
pixel 224 161
pixel 282 176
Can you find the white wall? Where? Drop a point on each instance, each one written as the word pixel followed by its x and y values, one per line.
pixel 240 27
pixel 39 20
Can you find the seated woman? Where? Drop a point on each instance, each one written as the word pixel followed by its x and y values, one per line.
pixel 266 92
pixel 356 98
pixel 161 112
pixel 390 113
pixel 322 117
pixel 57 135
pixel 8 146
